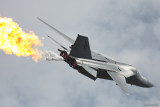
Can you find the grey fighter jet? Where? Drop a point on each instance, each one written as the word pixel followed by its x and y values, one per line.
pixel 94 65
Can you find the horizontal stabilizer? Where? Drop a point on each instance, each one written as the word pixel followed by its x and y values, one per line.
pixel 90 70
pixel 120 80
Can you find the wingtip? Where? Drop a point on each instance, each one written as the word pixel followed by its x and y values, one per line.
pixel 128 94
pixel 41 20
pixel 48 35
pixel 38 18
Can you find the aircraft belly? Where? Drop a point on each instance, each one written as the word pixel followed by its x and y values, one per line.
pixel 84 72
pixel 103 74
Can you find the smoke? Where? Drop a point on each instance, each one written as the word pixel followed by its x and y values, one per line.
pixel 49 55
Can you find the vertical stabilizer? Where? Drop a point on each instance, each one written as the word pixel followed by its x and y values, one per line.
pixel 81 48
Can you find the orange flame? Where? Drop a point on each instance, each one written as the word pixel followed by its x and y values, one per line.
pixel 13 40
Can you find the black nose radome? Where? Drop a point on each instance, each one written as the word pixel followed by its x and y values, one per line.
pixel 150 84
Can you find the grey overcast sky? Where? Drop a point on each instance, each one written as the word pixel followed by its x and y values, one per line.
pixel 125 30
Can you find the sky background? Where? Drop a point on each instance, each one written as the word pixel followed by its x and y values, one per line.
pixel 124 30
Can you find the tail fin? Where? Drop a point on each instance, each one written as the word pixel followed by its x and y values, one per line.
pixel 81 48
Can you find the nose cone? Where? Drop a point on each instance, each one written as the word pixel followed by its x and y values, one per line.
pixel 145 83
pixel 149 84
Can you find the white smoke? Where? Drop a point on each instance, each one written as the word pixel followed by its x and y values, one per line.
pixel 49 56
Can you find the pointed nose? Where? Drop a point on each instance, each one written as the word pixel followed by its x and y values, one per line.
pixel 149 84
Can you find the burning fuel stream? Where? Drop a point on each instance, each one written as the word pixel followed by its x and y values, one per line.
pixel 13 40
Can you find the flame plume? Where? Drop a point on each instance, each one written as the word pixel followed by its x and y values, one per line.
pixel 13 40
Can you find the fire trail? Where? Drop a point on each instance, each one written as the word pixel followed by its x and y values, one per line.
pixel 13 40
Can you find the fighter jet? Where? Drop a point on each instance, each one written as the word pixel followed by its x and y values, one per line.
pixel 79 56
